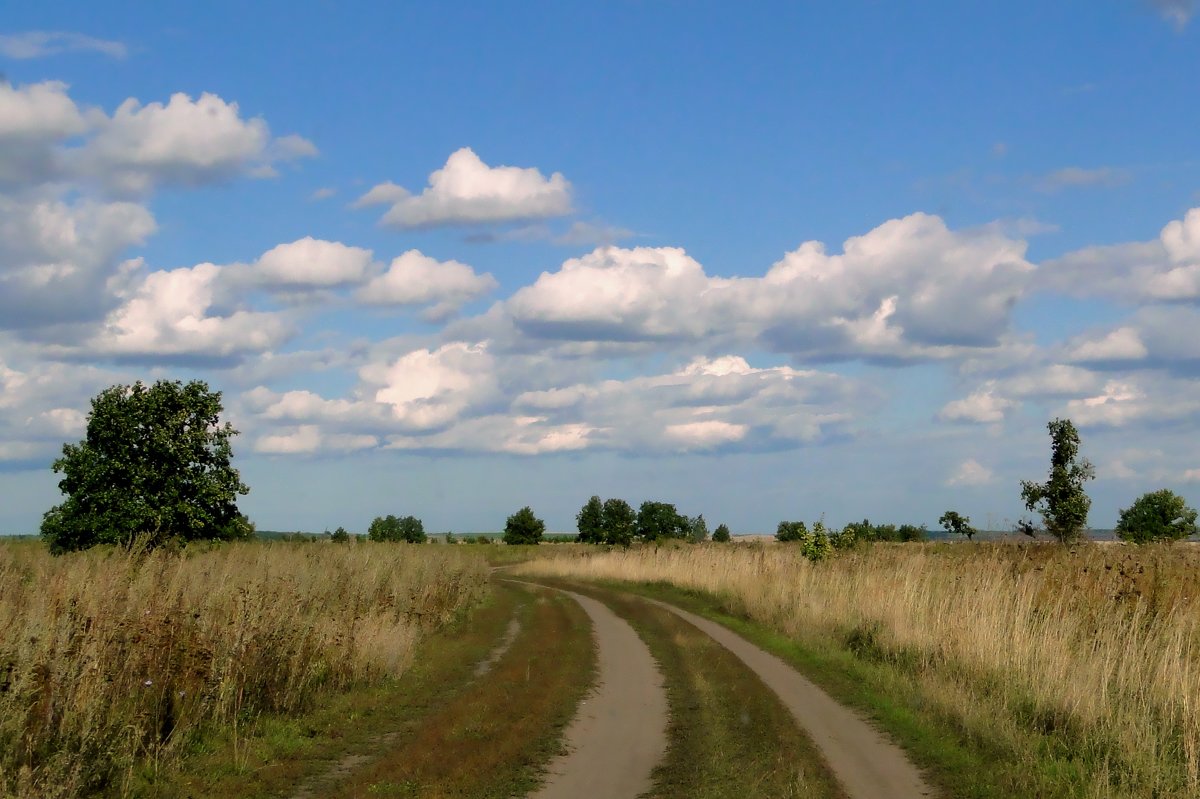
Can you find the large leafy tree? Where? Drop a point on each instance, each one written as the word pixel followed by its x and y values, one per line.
pixel 1158 516
pixel 523 527
pixel 620 522
pixel 658 520
pixel 409 529
pixel 155 465
pixel 590 521
pixel 1061 500
pixel 412 530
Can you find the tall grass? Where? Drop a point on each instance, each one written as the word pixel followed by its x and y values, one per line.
pixel 1081 664
pixel 110 661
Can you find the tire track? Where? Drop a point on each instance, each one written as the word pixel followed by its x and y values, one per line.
pixel 619 733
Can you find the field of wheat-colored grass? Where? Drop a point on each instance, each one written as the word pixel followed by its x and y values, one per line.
pixel 1084 662
pixel 111 661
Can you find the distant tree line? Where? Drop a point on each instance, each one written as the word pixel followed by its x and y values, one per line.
pixel 614 522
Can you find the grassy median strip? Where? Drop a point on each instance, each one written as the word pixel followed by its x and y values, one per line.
pixel 280 756
pixel 493 739
pixel 729 736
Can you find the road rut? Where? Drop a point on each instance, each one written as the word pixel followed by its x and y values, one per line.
pixel 620 732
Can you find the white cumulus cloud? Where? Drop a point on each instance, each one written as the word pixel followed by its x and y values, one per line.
pixel 58 259
pixel 466 191
pixel 462 397
pixel 909 289
pixel 1122 344
pixel 39 111
pixel 1166 269
pixel 182 142
pixel 170 314
pixel 414 278
pixel 985 406
pixel 312 263
pixel 427 389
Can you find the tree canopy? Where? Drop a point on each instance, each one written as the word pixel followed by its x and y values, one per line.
pixel 957 524
pixel 155 465
pixel 620 522
pixel 590 521
pixel 523 527
pixel 721 534
pixel 659 520
pixel 408 529
pixel 791 531
pixel 1158 516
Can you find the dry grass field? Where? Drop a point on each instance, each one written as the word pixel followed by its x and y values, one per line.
pixel 111 662
pixel 1082 666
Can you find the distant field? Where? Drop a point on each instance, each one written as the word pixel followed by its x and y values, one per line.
pixel 1032 670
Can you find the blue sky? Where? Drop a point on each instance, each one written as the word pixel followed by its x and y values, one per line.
pixel 764 261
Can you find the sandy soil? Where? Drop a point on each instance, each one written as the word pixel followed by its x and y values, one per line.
pixel 867 764
pixel 620 732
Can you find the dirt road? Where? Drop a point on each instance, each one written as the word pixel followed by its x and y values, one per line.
pixel 868 765
pixel 619 734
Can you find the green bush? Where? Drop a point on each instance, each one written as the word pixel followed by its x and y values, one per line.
pixel 788 532
pixel 817 545
pixel 1158 516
